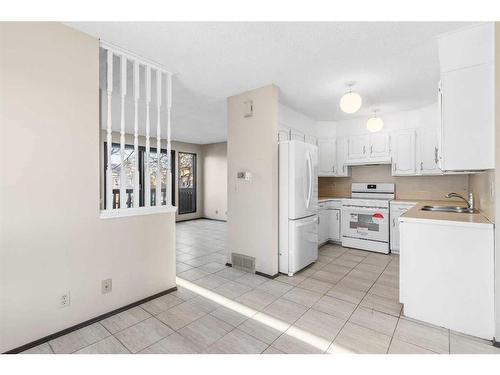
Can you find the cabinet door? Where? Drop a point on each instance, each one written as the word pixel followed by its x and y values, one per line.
pixel 323 226
pixel 403 163
pixel 379 145
pixel 342 167
pixel 468 119
pixel 427 152
pixel 358 147
pixel 334 224
pixel 394 231
pixel 468 47
pixel 327 165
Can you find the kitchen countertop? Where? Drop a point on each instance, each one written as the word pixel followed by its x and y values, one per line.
pixel 324 199
pixel 415 214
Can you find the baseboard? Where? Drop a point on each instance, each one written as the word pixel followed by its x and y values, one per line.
pixel 87 322
pixel 259 273
pixel 266 275
pixel 209 218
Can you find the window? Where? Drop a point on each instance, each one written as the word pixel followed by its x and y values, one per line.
pixel 129 162
pixel 187 183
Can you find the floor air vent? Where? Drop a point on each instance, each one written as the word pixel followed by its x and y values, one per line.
pixel 243 262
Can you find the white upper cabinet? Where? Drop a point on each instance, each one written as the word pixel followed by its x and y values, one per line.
pixel 343 169
pixel 465 48
pixel 358 147
pixel 369 149
pixel 467 94
pixel 403 153
pixel 427 151
pixel 327 156
pixel 380 145
pixel 467 139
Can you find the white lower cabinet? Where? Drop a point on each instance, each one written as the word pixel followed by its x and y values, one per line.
pixel 329 221
pixel 396 210
pixel 447 274
pixel 333 224
pixel 323 225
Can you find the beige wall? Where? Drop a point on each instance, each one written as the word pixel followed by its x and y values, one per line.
pixel 497 180
pixel 51 238
pixel 177 147
pixel 421 187
pixel 215 181
pixel 253 205
pixel 482 185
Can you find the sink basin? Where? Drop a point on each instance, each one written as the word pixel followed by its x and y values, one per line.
pixel 457 209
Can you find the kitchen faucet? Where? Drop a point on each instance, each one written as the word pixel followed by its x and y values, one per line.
pixel 470 201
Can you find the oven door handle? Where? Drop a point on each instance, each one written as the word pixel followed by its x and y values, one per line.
pixel 353 209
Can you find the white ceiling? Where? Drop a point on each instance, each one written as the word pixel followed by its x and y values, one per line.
pixel 395 65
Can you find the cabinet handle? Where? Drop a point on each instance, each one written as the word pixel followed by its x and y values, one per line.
pixel 337 215
pixel 436 155
pixel 364 150
pixel 421 165
pixel 371 149
pixel 333 168
pixel 393 222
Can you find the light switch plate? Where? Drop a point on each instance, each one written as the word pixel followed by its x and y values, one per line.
pixel 248 108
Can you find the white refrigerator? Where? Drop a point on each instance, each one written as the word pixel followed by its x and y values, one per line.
pixel 298 206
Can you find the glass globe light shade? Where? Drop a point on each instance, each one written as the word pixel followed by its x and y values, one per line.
pixel 350 102
pixel 374 124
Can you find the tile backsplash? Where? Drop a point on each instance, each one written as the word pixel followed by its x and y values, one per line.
pixel 418 187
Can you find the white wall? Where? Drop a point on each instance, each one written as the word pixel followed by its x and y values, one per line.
pixel 51 238
pixel 215 181
pixel 423 117
pixel 252 146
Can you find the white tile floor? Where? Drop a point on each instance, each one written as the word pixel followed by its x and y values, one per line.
pixel 345 303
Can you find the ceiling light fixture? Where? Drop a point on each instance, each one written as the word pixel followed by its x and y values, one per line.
pixel 351 101
pixel 374 123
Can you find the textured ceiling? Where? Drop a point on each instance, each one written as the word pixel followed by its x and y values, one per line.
pixel 395 65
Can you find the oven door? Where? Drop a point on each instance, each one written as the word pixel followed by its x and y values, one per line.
pixel 367 223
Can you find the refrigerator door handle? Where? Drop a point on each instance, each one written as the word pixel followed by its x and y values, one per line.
pixel 310 178
pixel 313 220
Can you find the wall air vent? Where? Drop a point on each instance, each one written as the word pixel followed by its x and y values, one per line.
pixel 243 262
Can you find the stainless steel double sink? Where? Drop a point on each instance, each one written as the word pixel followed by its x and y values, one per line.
pixel 456 209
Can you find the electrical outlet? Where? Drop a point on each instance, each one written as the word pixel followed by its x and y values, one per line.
pixel 106 286
pixel 64 300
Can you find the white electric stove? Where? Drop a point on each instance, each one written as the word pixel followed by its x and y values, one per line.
pixel 365 217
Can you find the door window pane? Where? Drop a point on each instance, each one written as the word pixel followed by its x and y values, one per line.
pixel 128 162
pixel 153 167
pixel 187 183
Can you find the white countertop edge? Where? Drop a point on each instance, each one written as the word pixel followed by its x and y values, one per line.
pixel 454 223
pixel 136 211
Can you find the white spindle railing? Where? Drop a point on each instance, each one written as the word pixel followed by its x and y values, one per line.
pixel 123 92
pixel 149 67
pixel 147 182
pixel 158 138
pixel 136 133
pixel 169 146
pixel 109 90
